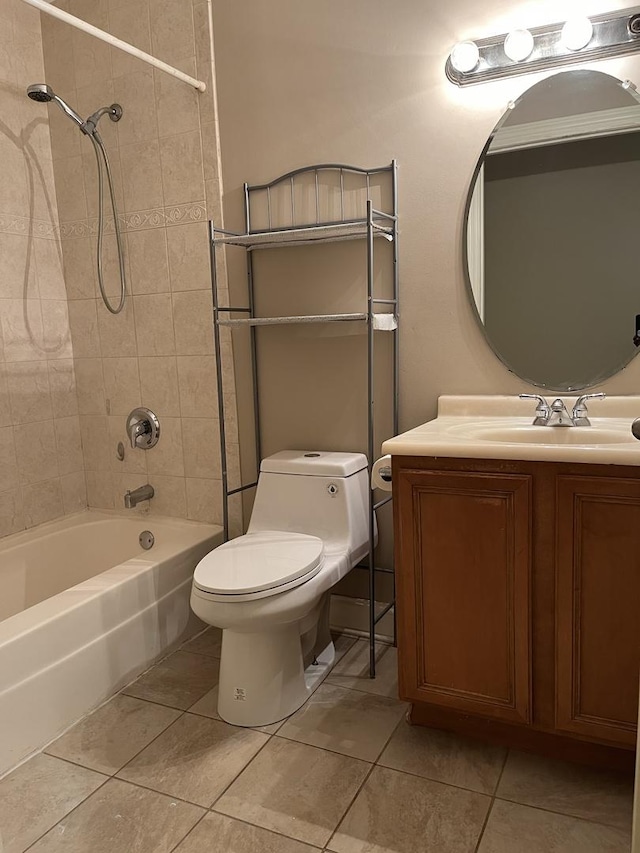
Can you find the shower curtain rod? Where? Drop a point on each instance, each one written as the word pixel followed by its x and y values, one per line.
pixel 79 24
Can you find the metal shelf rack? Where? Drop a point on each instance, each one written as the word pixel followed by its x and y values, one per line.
pixel 332 187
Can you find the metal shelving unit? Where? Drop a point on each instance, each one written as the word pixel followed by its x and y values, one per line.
pixel 320 186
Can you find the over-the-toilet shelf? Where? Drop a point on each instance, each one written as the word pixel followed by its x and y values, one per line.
pixel 319 204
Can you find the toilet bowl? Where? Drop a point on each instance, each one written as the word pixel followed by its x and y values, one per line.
pixel 269 590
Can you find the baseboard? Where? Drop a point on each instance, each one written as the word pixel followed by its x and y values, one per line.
pixel 352 615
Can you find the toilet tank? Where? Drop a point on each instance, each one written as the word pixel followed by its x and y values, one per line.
pixel 324 494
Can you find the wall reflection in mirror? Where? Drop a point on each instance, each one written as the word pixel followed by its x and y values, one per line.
pixel 552 224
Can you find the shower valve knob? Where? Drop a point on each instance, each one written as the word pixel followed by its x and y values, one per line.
pixel 143 429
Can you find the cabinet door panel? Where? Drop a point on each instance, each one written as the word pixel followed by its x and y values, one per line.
pixel 465 567
pixel 598 607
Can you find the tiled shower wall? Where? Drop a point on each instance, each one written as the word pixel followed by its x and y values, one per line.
pixel 41 463
pixel 159 351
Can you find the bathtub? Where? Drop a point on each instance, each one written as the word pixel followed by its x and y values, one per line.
pixel 83 610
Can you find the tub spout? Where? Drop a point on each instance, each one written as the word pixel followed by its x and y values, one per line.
pixel 142 493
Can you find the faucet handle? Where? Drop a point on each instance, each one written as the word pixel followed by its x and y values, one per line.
pixel 143 428
pixel 579 413
pixel 541 400
pixel 543 409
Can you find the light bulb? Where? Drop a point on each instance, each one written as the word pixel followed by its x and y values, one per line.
pixel 464 56
pixel 518 45
pixel 577 33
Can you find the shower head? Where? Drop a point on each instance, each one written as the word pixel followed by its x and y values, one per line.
pixel 40 92
pixel 45 94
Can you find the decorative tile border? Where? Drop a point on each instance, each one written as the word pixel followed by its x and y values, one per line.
pixel 141 220
pixel 23 226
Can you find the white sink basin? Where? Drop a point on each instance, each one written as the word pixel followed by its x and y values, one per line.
pixel 584 436
pixel 500 427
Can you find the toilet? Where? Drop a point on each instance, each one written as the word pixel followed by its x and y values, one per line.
pixel 269 590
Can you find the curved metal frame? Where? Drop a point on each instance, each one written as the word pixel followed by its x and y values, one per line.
pixel 341 168
pixel 375 223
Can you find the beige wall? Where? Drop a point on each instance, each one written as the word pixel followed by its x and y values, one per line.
pixel 159 351
pixel 41 465
pixel 361 83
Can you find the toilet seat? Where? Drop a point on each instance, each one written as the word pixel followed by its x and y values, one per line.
pixel 259 564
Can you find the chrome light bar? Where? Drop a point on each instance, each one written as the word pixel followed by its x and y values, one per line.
pixel 524 51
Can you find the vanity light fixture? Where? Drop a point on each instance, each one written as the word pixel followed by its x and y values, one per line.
pixel 520 51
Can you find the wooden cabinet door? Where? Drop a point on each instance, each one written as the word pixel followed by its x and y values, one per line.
pixel 598 607
pixel 463 573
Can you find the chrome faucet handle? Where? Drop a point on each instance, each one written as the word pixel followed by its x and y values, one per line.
pixel 579 413
pixel 543 409
pixel 137 430
pixel 143 428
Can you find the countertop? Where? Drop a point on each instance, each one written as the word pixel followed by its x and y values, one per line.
pixel 463 422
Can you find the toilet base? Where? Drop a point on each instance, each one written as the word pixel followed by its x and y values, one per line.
pixel 262 676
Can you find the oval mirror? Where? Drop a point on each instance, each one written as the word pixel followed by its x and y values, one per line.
pixel 551 231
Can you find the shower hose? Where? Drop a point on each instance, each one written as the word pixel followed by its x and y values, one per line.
pixel 100 151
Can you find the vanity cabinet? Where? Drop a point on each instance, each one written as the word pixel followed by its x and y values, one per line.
pixel 518 596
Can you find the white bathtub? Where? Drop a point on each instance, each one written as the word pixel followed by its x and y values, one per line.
pixel 83 610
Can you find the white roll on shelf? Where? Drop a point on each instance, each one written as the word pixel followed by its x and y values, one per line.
pixel 381 474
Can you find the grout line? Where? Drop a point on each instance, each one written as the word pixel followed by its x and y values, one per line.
pixel 195 651
pixel 160 793
pixel 127 763
pixel 323 748
pixel 119 769
pixel 504 764
pixel 436 781
pixel 484 826
pixel 184 837
pixel 402 720
pixel 157 663
pixel 68 814
pixel 350 804
pixel 571 815
pixel 364 782
pixel 493 799
pixel 337 752
pixel 244 769
pixel 85 716
pixel 77 764
pixel 245 822
pixel 360 689
pixel 161 704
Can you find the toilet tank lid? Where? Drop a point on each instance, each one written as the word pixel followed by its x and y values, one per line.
pixel 314 463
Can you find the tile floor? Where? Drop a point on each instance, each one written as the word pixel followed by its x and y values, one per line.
pixel 155 770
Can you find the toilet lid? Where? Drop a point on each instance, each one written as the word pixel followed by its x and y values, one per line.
pixel 258 561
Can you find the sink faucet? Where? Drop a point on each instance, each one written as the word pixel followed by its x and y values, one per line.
pixel 556 414
pixel 142 493
pixel 559 416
